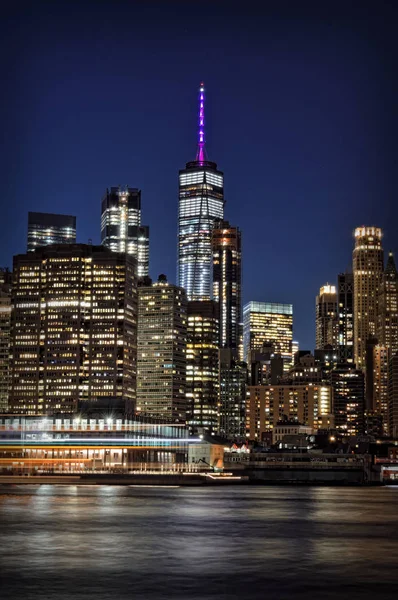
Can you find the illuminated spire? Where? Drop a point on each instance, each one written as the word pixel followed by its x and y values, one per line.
pixel 200 155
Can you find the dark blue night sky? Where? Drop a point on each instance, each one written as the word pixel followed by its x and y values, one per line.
pixel 301 117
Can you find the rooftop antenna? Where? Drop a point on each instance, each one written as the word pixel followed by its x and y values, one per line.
pixel 200 154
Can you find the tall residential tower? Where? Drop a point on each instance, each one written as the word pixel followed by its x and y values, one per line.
pixel 326 317
pixel 387 327
pixel 368 269
pixel 201 202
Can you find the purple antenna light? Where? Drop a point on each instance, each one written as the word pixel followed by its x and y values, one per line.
pixel 200 156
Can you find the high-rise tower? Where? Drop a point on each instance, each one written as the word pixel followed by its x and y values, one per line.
pixel 73 329
pixel 345 290
pixel 265 323
pixel 161 350
pixel 367 270
pixel 201 202
pixel 227 282
pixel 326 317
pixel 121 229
pixel 387 330
pixel 202 385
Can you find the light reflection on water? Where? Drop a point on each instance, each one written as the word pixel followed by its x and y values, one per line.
pixel 108 542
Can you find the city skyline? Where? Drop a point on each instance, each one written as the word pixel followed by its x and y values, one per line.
pixel 199 299
pixel 285 161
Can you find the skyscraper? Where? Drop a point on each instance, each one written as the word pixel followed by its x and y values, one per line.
pixel 202 365
pixel 121 229
pixel 201 202
pixel 387 326
pixel 227 281
pixel 326 325
pixel 345 291
pixel 265 322
pixel 233 378
pixel 368 269
pixel 46 228
pixel 74 328
pixel 161 351
pixel 348 399
pixel 5 325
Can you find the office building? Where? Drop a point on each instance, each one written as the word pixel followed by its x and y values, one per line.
pixel 376 381
pixel 121 229
pixel 233 377
pixel 201 202
pixel 310 405
pixel 202 366
pixel 345 291
pixel 227 281
pixel 267 322
pixel 368 269
pixel 387 329
pixel 161 351
pixel 393 396
pixel 74 328
pixel 45 229
pixel 348 399
pixel 5 325
pixel 326 324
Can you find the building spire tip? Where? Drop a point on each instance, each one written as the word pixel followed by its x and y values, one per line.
pixel 200 154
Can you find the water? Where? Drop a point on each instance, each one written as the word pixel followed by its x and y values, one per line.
pixel 108 542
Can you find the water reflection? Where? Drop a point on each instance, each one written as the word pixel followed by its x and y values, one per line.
pixel 118 542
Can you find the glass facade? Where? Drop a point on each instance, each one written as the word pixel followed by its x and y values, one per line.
pixel 45 229
pixel 233 379
pixel 121 229
pixel 267 322
pixel 201 202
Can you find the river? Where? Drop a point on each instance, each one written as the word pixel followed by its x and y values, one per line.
pixel 108 542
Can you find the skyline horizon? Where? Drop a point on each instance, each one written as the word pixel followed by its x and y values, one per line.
pixel 301 119
pixel 154 277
